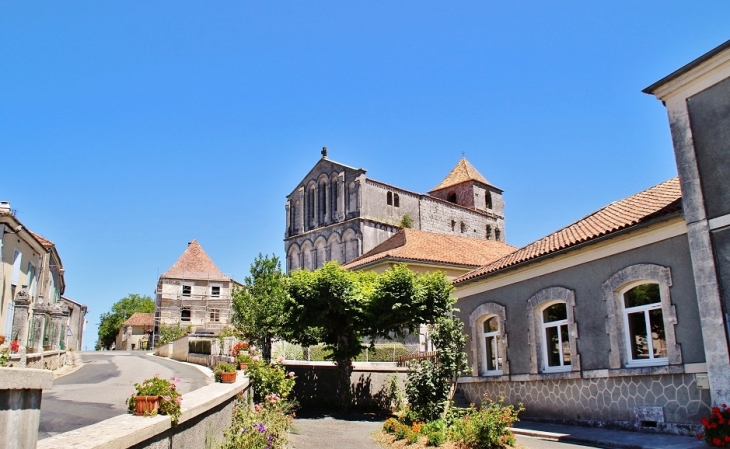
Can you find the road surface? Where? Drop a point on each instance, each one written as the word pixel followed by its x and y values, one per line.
pixel 97 391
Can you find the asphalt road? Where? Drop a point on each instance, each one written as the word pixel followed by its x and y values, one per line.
pixel 97 391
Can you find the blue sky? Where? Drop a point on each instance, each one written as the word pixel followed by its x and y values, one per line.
pixel 128 129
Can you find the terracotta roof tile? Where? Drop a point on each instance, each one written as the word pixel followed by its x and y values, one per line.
pixel 44 241
pixel 411 244
pixel 656 201
pixel 195 264
pixel 140 319
pixel 463 172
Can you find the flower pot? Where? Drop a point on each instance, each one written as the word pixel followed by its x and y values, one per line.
pixel 243 366
pixel 228 378
pixel 146 405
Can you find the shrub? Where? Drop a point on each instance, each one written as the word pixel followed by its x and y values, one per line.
pixel 717 427
pixel 390 425
pixel 486 427
pixel 411 436
pixel 435 438
pixel 261 425
pixel 427 390
pixel 270 379
pixel 169 333
pixel 167 390
pixel 4 357
pixel 401 431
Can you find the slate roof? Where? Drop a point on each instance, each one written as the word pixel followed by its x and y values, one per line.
pixel 140 319
pixel 657 201
pixel 462 172
pixel 195 264
pixel 414 245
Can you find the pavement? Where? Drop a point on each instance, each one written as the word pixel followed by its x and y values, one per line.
pixel 314 430
pixel 603 438
pixel 73 364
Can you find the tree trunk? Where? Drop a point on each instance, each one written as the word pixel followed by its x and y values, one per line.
pixel 344 368
pixel 266 349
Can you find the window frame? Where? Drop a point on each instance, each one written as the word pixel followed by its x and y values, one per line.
pixel 537 339
pixel 182 289
pixel 478 339
pixel 220 290
pixel 651 361
pixel 546 368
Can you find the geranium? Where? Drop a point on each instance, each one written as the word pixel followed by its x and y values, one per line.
pixel 717 427
pixel 236 350
pixel 14 346
pixel 170 398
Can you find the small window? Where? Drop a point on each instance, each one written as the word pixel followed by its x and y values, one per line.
pixel 187 290
pixel 215 291
pixel 463 227
pixel 451 197
pixel 489 232
pixel 645 323
pixel 396 200
pixel 556 337
pixel 453 225
pixel 497 234
pixel 488 200
pixel 16 268
pixel 215 315
pixel 490 351
pixel 185 314
pixel 389 199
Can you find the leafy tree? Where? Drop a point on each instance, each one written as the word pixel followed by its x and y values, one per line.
pixel 338 307
pixel 169 333
pixel 258 307
pixel 111 321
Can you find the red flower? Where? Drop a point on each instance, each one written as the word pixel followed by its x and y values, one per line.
pixel 727 438
pixel 14 346
pixel 716 441
pixel 699 436
pixel 705 422
pixel 724 406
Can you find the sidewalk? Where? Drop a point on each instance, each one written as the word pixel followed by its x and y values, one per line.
pixel 605 438
pixel 73 363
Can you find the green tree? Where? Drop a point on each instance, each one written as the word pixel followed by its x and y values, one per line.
pixel 258 307
pixel 111 321
pixel 338 307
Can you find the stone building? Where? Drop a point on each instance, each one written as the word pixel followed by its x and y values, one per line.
pixel 136 332
pixel 76 324
pixel 619 319
pixel 337 212
pixel 194 293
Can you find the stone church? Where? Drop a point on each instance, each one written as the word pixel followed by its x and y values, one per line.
pixel 338 213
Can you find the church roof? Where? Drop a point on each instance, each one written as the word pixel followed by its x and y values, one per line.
pixel 463 172
pixel 660 200
pixel 195 264
pixel 415 245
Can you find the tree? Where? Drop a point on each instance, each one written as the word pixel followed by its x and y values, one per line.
pixel 258 307
pixel 111 321
pixel 338 307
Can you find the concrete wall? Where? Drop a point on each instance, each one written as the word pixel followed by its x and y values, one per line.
pixel 20 405
pixel 206 413
pixel 316 384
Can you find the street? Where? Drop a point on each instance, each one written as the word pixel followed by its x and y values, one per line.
pixel 97 391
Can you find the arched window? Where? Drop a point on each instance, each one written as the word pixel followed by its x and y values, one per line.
pixel 556 338
pixel 488 200
pixel 451 197
pixel 489 340
pixel 396 200
pixel 644 323
pixel 489 232
pixel 322 201
pixel 497 234
pixel 389 199
pixel 333 199
pixel 490 349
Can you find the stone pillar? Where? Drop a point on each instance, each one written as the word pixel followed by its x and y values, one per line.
pixel 341 213
pixel 37 327
pixel 315 206
pixel 289 224
pixel 302 210
pixel 20 323
pixel 57 320
pixel 20 405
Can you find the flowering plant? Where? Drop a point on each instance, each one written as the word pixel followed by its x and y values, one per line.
pixel 236 350
pixel 717 427
pixel 14 346
pixel 263 425
pixel 170 397
pixel 269 379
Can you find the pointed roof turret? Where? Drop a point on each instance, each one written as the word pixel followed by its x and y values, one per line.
pixel 195 264
pixel 463 172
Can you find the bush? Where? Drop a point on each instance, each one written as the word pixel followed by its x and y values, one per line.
pixel 261 425
pixel 269 379
pixel 717 427
pixel 169 333
pixel 427 390
pixel 435 438
pixel 486 427
pixel 390 425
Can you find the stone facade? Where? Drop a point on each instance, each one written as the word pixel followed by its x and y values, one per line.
pixel 337 213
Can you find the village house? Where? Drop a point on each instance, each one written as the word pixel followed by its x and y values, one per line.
pixel 136 332
pixel 194 294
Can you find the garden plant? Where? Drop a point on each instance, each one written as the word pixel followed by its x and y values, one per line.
pixel 717 427
pixel 169 396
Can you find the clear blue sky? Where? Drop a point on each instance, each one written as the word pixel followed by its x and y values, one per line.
pixel 129 128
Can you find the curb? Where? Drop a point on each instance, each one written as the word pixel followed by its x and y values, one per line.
pixel 72 369
pixel 204 369
pixel 551 436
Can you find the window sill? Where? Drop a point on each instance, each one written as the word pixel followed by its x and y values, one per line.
pixel 557 369
pixel 647 363
pixel 491 374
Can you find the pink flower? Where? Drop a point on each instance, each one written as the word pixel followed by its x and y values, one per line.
pixel 166 398
pixel 178 400
pixel 290 374
pixel 255 358
pixel 157 376
pixel 176 379
pixel 280 359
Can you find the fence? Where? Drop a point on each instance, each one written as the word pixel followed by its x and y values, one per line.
pixel 382 350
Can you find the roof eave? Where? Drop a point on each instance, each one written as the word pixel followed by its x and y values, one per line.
pixel 687 67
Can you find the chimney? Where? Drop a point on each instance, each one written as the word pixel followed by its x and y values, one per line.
pixel 5 206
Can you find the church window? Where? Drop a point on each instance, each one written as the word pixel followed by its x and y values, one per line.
pixel 389 199
pixel 453 225
pixel 451 197
pixel 333 199
pixel 463 227
pixel 489 232
pixel 323 200
pixel 396 200
pixel 488 200
pixel 497 234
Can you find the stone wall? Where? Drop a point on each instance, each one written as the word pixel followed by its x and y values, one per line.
pixel 20 405
pixel 666 403
pixel 445 218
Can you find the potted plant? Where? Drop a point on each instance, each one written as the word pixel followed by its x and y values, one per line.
pixel 156 396
pixel 225 373
pixel 243 361
pixel 238 348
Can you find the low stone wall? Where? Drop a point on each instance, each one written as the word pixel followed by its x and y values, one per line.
pixel 180 349
pixel 206 413
pixel 164 350
pixel 51 360
pixel 21 390
pixel 670 403
pixel 369 383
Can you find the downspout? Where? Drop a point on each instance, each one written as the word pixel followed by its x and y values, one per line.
pixel 2 283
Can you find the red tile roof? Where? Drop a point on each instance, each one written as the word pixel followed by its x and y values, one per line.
pixel 657 201
pixel 195 264
pixel 414 245
pixel 140 319
pixel 463 172
pixel 44 241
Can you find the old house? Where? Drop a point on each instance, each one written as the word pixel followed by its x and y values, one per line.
pixel 194 294
pixel 136 332
pixel 337 212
